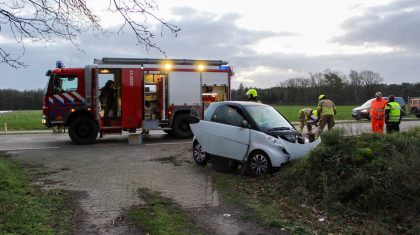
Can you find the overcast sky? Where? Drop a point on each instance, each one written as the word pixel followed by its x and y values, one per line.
pixel 265 41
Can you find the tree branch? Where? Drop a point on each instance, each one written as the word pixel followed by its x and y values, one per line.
pixel 49 20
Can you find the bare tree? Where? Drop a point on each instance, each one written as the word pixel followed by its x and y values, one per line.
pixel 355 83
pixel 370 80
pixel 49 20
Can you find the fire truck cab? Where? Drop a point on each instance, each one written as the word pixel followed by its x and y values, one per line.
pixel 150 94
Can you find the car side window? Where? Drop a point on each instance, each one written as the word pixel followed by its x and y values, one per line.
pixel 227 115
pixel 209 112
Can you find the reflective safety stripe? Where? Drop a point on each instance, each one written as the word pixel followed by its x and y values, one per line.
pixel 327 111
pixel 394 111
pixel 377 109
pixel 326 107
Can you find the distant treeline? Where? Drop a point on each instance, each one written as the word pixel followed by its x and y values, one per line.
pixel 351 89
pixel 355 88
pixel 21 100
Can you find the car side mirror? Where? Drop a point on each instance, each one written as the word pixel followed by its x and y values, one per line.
pixel 244 124
pixel 194 117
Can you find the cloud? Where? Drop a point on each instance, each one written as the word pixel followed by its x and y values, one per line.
pixel 207 35
pixel 204 33
pixel 396 25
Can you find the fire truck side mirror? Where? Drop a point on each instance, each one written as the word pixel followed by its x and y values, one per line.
pixel 48 73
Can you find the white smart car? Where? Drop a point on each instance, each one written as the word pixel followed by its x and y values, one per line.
pixel 250 133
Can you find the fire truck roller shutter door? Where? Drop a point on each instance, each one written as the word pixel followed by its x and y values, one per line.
pixel 184 88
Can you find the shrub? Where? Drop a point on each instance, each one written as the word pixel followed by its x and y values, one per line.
pixel 371 174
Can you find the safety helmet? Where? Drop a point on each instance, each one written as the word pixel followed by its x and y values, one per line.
pixel 314 114
pixel 252 93
pixel 322 97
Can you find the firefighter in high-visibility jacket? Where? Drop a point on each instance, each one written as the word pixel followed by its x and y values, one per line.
pixel 326 112
pixel 377 113
pixel 392 115
pixel 253 95
pixel 308 117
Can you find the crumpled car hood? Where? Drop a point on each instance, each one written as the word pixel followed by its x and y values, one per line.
pixel 297 150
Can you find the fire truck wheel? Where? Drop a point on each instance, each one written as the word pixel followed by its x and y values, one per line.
pixel 181 126
pixel 83 130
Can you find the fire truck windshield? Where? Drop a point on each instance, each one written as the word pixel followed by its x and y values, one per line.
pixel 64 83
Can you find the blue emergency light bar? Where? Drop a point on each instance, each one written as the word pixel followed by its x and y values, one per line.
pixel 224 67
pixel 59 64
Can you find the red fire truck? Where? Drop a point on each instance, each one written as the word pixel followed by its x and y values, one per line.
pixel 150 94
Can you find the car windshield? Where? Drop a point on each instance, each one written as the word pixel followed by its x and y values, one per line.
pixel 367 103
pixel 267 118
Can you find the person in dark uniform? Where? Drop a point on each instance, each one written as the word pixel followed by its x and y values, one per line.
pixel 108 101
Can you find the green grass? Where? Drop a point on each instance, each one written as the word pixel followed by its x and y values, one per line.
pixel 25 209
pixel 366 184
pixel 161 216
pixel 291 112
pixel 22 120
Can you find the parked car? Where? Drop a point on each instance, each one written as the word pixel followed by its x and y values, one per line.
pixel 248 133
pixel 363 111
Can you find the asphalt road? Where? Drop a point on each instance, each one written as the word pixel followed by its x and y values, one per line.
pixel 48 140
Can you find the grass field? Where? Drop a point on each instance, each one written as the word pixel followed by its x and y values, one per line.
pixel 22 120
pixel 291 112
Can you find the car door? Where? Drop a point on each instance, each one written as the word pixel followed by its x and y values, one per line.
pixel 223 135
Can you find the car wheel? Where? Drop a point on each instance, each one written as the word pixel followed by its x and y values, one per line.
pixel 83 130
pixel 358 117
pixel 368 118
pixel 258 164
pixel 199 155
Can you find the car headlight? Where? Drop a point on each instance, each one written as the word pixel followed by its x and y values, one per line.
pixel 364 111
pixel 274 140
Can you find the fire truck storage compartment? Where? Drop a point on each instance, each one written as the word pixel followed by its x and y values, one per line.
pixel 216 83
pixel 155 95
pixel 181 85
pixel 214 88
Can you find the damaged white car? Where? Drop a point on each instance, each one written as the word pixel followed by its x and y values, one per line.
pixel 249 133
